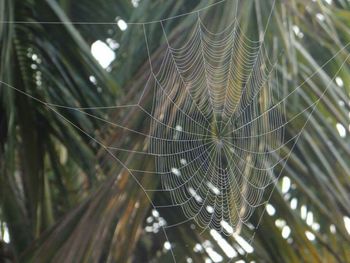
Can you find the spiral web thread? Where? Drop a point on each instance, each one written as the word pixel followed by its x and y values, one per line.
pixel 216 126
pixel 214 157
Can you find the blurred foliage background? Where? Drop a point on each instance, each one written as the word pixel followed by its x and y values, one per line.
pixel 64 199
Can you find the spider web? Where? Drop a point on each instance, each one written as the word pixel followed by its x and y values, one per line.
pixel 215 127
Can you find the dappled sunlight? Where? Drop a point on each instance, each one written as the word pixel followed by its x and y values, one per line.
pixel 103 53
pixel 4 233
pixel 347 223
